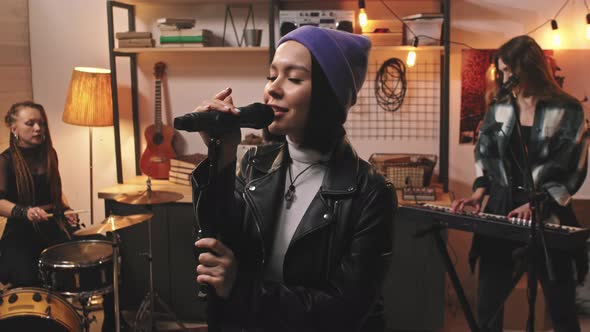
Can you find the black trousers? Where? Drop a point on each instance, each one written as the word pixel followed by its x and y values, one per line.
pixel 495 279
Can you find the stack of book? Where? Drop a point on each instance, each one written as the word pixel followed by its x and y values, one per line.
pixel 180 32
pixel 132 39
pixel 181 168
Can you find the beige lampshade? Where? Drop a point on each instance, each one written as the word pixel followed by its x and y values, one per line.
pixel 89 101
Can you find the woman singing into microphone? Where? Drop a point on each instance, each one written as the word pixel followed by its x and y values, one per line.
pixel 306 225
pixel 555 135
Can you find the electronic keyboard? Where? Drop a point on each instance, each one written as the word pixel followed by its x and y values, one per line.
pixel 516 229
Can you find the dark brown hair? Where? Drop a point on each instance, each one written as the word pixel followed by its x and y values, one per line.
pixel 24 178
pixel 526 59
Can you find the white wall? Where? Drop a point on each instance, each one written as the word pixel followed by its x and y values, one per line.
pixel 65 34
pixel 15 63
pixel 68 33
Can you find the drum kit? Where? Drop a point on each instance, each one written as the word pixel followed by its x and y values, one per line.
pixel 80 270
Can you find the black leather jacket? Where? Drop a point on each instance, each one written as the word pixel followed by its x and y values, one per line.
pixel 339 255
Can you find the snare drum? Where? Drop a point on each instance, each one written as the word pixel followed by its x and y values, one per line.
pixel 36 309
pixel 79 267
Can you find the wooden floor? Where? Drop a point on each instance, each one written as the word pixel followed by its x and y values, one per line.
pixel 455 322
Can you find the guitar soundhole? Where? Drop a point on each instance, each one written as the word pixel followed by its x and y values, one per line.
pixel 158 139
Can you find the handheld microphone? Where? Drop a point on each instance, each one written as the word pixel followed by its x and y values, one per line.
pixel 507 87
pixel 255 116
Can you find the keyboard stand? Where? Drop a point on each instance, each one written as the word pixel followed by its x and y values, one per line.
pixel 442 249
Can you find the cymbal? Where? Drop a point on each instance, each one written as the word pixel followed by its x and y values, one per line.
pixel 114 223
pixel 148 197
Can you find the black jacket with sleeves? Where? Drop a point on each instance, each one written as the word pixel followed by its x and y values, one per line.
pixel 339 255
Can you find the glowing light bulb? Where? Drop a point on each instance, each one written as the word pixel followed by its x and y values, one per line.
pixel 362 17
pixel 556 39
pixel 492 72
pixel 411 60
pixel 556 36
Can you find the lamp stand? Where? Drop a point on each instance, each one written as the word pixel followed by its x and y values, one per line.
pixel 91 178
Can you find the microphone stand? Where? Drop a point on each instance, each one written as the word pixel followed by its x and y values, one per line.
pixel 410 187
pixel 537 231
pixel 206 292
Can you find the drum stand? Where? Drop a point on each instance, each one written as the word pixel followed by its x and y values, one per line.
pixel 85 299
pixel 115 243
pixel 86 320
pixel 147 305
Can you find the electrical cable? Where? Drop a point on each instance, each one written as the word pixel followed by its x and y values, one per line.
pixel 391 84
pixel 539 27
pixel 560 9
pixel 414 33
pixel 441 40
pixel 549 20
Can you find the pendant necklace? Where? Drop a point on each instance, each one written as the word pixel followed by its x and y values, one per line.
pixel 290 194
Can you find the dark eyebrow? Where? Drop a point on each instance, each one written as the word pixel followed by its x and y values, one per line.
pixel 292 67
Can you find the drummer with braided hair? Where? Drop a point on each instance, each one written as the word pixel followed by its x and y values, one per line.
pixel 30 188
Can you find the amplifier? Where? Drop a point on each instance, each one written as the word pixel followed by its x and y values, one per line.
pixel 290 20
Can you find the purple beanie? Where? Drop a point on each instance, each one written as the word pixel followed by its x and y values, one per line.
pixel 343 57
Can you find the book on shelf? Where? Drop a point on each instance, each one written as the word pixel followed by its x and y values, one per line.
pixel 418 194
pixel 186 45
pixel 179 23
pixel 176 20
pixel 179 175
pixel 188 161
pixel 187 32
pixel 137 41
pixel 183 39
pixel 173 27
pixel 181 170
pixel 184 182
pixel 142 42
pixel 133 35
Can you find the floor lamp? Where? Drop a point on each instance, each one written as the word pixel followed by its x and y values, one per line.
pixel 89 104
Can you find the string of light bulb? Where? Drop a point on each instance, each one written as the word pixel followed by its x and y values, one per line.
pixel 411 57
pixel 555 27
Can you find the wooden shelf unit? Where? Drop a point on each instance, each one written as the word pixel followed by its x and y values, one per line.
pixel 274 6
pixel 191 49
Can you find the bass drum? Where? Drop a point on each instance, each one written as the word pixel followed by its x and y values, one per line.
pixel 36 309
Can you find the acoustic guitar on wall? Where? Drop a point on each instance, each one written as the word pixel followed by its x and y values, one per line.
pixel 155 160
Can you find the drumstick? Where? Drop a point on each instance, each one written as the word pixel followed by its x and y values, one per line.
pixel 49 215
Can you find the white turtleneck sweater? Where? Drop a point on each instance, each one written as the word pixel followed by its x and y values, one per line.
pixel 306 187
